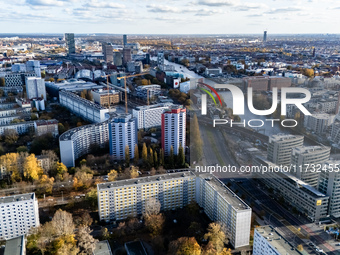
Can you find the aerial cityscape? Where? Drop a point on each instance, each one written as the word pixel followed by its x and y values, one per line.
pixel 207 127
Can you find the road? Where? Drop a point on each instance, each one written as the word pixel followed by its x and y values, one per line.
pixel 283 219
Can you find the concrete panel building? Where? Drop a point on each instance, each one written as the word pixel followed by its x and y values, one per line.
pixel 19 214
pixel 121 199
pixel 329 184
pixel 280 148
pixel 305 198
pixel 77 142
pixel 35 87
pixel 318 123
pixel 122 133
pixel 306 159
pixel 270 242
pixel 150 116
pixel 173 129
pixel 84 108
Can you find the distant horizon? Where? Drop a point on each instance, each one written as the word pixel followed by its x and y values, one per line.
pixel 155 17
pixel 170 34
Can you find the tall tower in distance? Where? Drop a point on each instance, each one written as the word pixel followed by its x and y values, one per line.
pixel 70 44
pixel 265 36
pixel 124 40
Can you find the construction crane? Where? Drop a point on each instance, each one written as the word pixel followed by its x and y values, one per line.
pixel 120 78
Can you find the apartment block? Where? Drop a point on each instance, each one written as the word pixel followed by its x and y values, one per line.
pixel 21 127
pixel 78 141
pixel 173 129
pixel 16 246
pixel 121 199
pixel 222 205
pixel 35 87
pixel 270 242
pixel 318 123
pixel 305 198
pixel 150 116
pixel 19 214
pixel 122 133
pixel 83 107
pixel 306 159
pixel 329 184
pixel 280 148
pixel 43 127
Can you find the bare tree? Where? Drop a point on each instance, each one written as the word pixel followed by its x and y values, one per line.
pixel 152 207
pixel 86 242
pixel 63 223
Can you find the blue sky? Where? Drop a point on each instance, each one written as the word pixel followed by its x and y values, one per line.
pixel 169 17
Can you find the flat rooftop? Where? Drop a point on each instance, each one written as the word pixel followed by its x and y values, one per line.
pixel 224 191
pixel 310 149
pixel 276 240
pixel 284 137
pixel 14 246
pixel 15 198
pixel 144 180
pixel 102 248
pixel 135 248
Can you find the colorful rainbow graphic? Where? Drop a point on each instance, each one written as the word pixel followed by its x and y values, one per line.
pixel 213 90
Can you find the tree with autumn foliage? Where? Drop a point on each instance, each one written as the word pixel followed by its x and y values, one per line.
pixel 31 168
pixel 112 175
pixel 216 237
pixel 185 246
pixel 45 184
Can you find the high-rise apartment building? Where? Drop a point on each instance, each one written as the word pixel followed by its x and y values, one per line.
pixel 150 116
pixel 306 160
pixel 329 184
pixel 122 133
pixel 35 87
pixel 173 129
pixel 19 213
pixel 268 241
pixel 70 43
pixel 121 199
pixel 108 52
pixel 280 148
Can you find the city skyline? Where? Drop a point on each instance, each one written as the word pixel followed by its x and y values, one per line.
pixel 195 16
